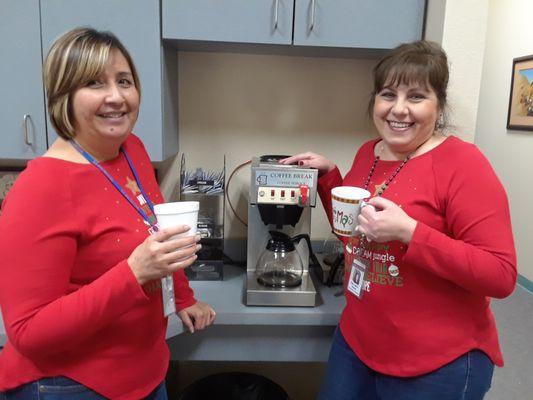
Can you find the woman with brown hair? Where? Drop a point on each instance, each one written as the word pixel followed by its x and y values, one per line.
pixel 434 245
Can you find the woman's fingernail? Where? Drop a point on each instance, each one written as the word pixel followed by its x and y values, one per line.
pixel 198 247
pixel 300 163
pixel 198 237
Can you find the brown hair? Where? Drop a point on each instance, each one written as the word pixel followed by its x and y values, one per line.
pixel 76 58
pixel 421 62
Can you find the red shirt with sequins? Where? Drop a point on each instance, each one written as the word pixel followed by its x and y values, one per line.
pixel 427 303
pixel 70 303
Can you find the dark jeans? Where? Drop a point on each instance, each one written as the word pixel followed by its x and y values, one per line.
pixel 347 378
pixel 61 388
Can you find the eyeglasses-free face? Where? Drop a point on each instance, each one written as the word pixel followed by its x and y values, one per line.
pixel 405 116
pixel 106 108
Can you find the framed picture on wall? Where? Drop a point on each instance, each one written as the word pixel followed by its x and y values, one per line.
pixel 7 178
pixel 520 113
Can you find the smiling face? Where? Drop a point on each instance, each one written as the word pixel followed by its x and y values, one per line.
pixel 106 108
pixel 405 116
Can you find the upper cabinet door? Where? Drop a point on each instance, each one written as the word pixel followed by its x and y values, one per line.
pixel 23 129
pixel 136 24
pixel 371 24
pixel 243 21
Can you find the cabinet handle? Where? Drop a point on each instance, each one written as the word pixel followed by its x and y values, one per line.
pixel 27 139
pixel 312 23
pixel 276 10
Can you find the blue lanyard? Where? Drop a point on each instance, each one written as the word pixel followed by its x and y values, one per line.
pixel 91 159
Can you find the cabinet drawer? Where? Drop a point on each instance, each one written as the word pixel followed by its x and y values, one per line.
pixel 241 21
pixel 370 24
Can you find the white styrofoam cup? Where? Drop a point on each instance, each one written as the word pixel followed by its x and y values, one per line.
pixel 178 213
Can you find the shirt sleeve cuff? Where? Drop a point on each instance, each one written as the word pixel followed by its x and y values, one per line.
pixel 421 237
pixel 124 269
pixel 184 304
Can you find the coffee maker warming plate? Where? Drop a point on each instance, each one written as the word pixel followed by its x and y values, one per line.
pixel 259 295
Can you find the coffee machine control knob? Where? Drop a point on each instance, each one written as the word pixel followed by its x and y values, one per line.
pixel 304 192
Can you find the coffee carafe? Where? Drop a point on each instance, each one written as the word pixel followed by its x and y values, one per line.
pixel 280 264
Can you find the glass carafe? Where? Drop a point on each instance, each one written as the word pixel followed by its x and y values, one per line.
pixel 280 264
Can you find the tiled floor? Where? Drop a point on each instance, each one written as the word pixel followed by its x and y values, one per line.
pixel 514 316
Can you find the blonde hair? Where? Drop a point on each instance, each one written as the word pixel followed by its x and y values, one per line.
pixel 76 58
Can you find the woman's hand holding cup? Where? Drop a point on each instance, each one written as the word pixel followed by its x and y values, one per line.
pixel 162 254
pixel 382 220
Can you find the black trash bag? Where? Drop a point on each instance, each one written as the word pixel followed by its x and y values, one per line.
pixel 234 386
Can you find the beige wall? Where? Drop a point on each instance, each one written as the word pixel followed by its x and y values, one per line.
pixel 509 35
pixel 245 105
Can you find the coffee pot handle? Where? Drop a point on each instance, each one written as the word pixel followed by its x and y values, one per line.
pixel 297 238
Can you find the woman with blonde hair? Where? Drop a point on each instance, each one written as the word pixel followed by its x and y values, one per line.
pixel 82 256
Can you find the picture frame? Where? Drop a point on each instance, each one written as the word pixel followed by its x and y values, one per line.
pixel 520 111
pixel 8 175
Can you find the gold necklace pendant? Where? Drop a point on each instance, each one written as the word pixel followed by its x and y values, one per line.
pixel 382 189
pixel 379 189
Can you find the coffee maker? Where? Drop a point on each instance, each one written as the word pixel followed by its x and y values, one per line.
pixel 279 215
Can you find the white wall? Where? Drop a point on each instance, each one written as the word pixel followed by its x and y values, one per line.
pixel 463 39
pixel 509 35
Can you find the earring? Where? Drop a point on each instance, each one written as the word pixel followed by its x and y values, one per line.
pixel 439 124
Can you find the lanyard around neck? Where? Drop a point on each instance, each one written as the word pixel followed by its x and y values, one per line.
pixel 117 186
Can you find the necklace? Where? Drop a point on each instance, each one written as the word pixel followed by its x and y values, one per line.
pixel 393 175
pixel 360 264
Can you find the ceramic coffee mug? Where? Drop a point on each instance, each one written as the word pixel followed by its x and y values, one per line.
pixel 346 202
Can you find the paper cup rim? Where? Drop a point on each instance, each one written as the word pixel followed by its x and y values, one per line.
pixel 182 207
pixel 347 192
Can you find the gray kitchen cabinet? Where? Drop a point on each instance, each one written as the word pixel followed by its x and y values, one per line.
pixel 372 24
pixel 364 24
pixel 243 21
pixel 22 115
pixel 136 23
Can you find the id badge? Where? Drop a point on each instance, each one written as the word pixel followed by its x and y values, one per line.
pixel 356 283
pixel 167 290
pixel 167 285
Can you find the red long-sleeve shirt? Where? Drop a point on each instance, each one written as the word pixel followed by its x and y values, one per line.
pixel 71 304
pixel 433 304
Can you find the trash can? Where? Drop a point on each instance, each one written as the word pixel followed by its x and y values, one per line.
pixel 234 386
